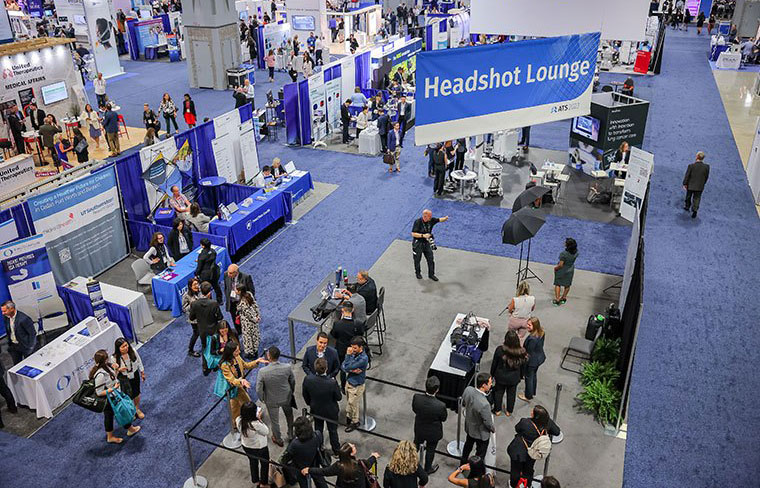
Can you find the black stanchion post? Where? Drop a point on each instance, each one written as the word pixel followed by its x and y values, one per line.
pixel 232 439
pixel 423 448
pixel 455 447
pixel 555 439
pixel 368 423
pixel 195 480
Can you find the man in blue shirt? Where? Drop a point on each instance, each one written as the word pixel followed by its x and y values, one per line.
pixel 355 365
pixel 111 126
pixel 321 350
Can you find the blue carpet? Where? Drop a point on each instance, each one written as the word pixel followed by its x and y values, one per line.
pixel 693 418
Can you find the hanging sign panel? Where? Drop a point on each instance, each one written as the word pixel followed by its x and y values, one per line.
pixel 477 90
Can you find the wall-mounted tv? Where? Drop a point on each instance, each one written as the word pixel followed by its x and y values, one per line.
pixel 587 127
pixel 54 92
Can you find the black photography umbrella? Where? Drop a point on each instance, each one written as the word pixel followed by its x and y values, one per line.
pixel 521 226
pixel 529 196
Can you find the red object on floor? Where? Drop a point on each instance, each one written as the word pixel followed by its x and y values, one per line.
pixel 642 62
pixel 123 125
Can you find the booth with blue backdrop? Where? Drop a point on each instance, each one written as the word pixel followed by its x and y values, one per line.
pixel 145 36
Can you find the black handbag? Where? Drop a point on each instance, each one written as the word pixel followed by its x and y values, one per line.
pixel 86 397
pixel 124 385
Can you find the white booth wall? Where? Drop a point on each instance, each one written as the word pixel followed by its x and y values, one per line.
pixel 316 9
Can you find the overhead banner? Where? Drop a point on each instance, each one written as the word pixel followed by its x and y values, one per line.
pixel 636 181
pixel 82 224
pixel 477 90
pixel 100 28
pixel 616 19
pixel 27 271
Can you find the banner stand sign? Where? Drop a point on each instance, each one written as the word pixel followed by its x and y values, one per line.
pixel 98 304
pixel 477 90
pixel 100 28
pixel 636 181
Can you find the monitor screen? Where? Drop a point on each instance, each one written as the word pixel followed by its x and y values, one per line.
pixel 302 22
pixel 587 127
pixel 54 92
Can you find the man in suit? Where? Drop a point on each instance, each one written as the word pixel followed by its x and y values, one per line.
pixel 232 278
pixel 439 169
pixel 345 120
pixel 478 422
pixel 394 145
pixel 207 313
pixel 275 385
pixel 16 127
pixel 694 183
pixel 366 287
pixel 321 394
pixel 321 350
pixel 404 114
pixel 382 129
pixel 22 336
pixel 429 415
pixel 343 331
pixel 36 115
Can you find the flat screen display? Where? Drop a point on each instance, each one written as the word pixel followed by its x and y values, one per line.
pixel 587 127
pixel 79 19
pixel 54 92
pixel 302 22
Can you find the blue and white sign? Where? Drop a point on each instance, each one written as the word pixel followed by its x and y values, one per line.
pixel 82 225
pixel 477 90
pixel 26 269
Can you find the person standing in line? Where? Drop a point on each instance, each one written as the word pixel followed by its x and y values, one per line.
pixel 304 452
pixel 476 476
pixel 520 309
pixel 429 415
pixel 404 470
pixel 348 470
pixel 321 350
pixel 206 313
pixel 527 431
pixel 180 240
pixel 208 270
pixel 694 182
pixel 111 126
pixel 232 278
pixel 534 346
pixel 188 111
pixel 275 385
pixel 507 366
pixel 322 394
pixel 394 146
pixel 423 243
pixel 129 364
pixel 550 482
pixel 191 295
pixel 104 375
pixel 564 271
pixel 93 123
pixel 169 109
pixel 99 84
pixel 234 369
pixel 355 366
pixel 344 330
pixel 250 318
pixel 22 336
pixel 438 156
pixel 253 437
pixel 478 424
pixel 345 120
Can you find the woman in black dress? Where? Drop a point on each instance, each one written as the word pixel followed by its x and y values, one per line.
pixel 180 240
pixel 509 359
pixel 82 155
pixel 304 452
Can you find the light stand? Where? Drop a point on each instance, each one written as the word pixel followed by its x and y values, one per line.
pixel 525 273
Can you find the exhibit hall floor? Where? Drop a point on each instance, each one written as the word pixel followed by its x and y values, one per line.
pixel 419 314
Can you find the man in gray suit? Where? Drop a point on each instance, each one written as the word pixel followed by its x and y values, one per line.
pixel 478 421
pixel 274 386
pixel 694 183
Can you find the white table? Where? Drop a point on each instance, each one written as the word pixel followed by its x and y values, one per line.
pixel 139 311
pixel 464 178
pixel 441 360
pixel 65 363
pixel 369 141
pixel 729 60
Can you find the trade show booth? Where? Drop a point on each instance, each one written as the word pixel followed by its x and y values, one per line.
pixel 272 37
pixel 399 54
pixel 148 38
pixel 363 23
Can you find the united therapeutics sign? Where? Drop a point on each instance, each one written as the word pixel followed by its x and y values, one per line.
pixel 477 90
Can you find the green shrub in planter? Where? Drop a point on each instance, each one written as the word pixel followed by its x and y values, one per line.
pixel 599 371
pixel 606 350
pixel 602 399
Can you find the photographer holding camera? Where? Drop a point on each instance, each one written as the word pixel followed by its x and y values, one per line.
pixel 424 243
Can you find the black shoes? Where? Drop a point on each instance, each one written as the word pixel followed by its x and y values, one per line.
pixel 352 426
pixel 694 214
pixel 432 469
pixel 433 277
pixel 13 409
pixel 194 354
pixel 418 275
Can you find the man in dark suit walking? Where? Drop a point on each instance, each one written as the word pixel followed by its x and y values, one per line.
pixel 345 120
pixel 232 279
pixel 382 129
pixel 207 313
pixel 22 336
pixel 343 331
pixel 430 414
pixel 404 114
pixel 322 395
pixel 694 183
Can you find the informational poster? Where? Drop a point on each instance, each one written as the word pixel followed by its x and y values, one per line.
pixel 227 131
pixel 154 160
pixel 16 173
pixel 82 224
pixel 8 231
pixel 27 271
pixel 636 181
pixel 334 100
pixel 100 28
pixel 318 106
pixel 98 303
pixel 249 151
pixel 476 90
pixel 224 157
pixel 630 259
pixel 149 33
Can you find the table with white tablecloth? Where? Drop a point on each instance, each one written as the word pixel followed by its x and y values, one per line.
pixel 369 141
pixel 61 367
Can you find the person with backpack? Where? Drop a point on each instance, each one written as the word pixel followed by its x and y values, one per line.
pixel 531 442
pixel 350 472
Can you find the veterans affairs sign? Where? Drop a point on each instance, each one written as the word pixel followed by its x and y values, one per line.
pixel 469 91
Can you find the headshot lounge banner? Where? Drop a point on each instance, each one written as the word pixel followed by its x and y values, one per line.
pixel 82 224
pixel 477 90
pixel 100 29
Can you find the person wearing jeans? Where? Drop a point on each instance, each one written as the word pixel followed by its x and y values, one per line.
pixel 534 346
pixel 355 365
pixel 253 436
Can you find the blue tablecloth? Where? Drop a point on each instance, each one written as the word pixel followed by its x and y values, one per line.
pixel 167 294
pixel 716 50
pixel 164 216
pixel 79 307
pixel 208 193
pixel 247 222
pixel 297 186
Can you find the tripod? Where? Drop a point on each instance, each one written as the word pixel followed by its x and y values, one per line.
pixel 525 273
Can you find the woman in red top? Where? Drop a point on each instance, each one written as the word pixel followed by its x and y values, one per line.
pixel 189 111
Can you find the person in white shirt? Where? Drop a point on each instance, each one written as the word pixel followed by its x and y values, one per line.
pixel 362 120
pixel 253 437
pixel 106 382
pixel 100 89
pixel 248 90
pixel 307 67
pixel 318 50
pixel 520 310
pixel 264 178
pixel 129 364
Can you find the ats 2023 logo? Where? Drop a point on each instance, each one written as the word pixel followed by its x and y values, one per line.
pixel 565 107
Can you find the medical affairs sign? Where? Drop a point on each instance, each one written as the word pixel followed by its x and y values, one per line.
pixel 477 90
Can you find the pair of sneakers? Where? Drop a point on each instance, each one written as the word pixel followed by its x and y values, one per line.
pixel 559 302
pixel 432 277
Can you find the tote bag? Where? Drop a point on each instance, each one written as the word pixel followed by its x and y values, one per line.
pixel 221 385
pixel 212 360
pixel 123 407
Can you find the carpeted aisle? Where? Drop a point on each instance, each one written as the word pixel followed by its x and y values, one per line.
pixel 693 418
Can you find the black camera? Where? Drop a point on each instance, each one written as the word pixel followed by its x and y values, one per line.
pixel 431 240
